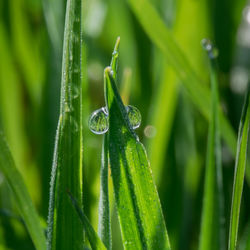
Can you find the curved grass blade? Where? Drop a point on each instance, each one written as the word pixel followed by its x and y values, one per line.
pixel 65 229
pixel 22 198
pixel 163 39
pixel 213 226
pixel 95 241
pixel 137 201
pixel 239 173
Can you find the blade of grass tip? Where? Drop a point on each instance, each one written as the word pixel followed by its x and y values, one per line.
pixel 95 241
pixel 104 222
pixel 139 210
pixel 239 173
pixel 162 37
pixel 65 229
pixel 212 225
pixel 22 198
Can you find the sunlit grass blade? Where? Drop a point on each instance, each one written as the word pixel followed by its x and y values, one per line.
pixel 22 198
pixel 95 241
pixel 137 201
pixel 65 229
pixel 163 39
pixel 212 225
pixel 239 173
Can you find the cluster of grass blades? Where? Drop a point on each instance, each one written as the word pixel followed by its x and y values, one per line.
pixel 138 206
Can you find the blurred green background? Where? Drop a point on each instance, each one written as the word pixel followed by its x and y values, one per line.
pixel 172 129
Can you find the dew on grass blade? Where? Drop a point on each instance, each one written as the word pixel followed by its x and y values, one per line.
pixel 98 121
pixel 134 116
pixel 209 47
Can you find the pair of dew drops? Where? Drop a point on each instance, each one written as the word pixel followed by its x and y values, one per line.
pixel 98 121
pixel 99 124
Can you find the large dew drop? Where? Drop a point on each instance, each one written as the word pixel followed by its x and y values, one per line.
pixel 134 116
pixel 98 121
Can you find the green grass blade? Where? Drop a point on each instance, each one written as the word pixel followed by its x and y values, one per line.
pixel 65 229
pixel 212 226
pixel 104 224
pixel 163 39
pixel 137 201
pixel 239 173
pixel 95 241
pixel 22 198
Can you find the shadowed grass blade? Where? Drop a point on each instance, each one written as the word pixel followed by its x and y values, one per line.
pixel 239 173
pixel 137 201
pixel 163 39
pixel 22 198
pixel 213 226
pixel 104 225
pixel 65 229
pixel 94 240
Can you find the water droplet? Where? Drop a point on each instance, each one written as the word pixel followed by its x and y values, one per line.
pixel 209 47
pixel 98 121
pixel 67 107
pixel 74 125
pixel 134 116
pixel 75 92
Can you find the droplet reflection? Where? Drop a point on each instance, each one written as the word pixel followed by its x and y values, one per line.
pixel 98 121
pixel 134 116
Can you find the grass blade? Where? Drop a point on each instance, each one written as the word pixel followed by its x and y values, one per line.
pixel 22 198
pixel 163 39
pixel 104 224
pixel 94 240
pixel 239 173
pixel 65 229
pixel 212 226
pixel 137 201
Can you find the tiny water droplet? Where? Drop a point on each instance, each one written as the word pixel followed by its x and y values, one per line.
pixel 74 125
pixel 134 116
pixel 75 92
pixel 66 107
pixel 209 47
pixel 98 121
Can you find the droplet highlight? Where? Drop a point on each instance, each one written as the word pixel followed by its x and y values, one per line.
pixel 209 47
pixel 134 116
pixel 98 121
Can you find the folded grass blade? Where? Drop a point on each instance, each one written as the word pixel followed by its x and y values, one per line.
pixel 65 229
pixel 213 226
pixel 163 39
pixel 22 198
pixel 137 201
pixel 239 173
pixel 95 241
pixel 104 223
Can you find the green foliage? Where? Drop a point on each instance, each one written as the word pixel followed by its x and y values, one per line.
pixel 239 173
pixel 163 73
pixel 22 198
pixel 141 218
pixel 65 229
pixel 94 239
pixel 213 226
